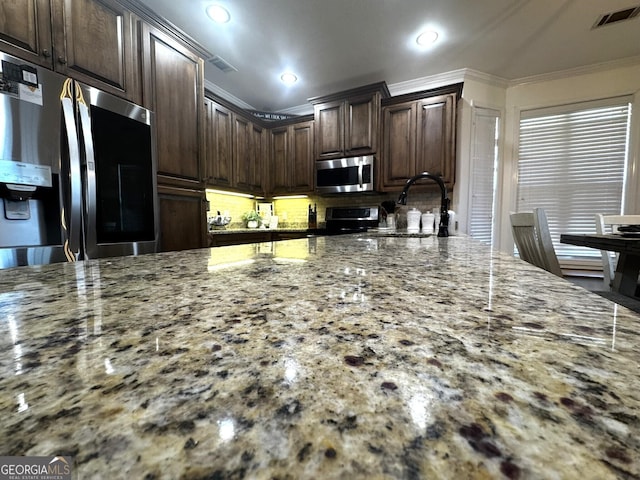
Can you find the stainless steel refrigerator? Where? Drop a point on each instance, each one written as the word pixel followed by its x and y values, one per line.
pixel 77 170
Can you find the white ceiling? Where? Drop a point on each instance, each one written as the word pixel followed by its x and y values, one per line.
pixel 334 45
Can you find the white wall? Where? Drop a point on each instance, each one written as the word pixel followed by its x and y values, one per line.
pixel 510 98
pixel 604 81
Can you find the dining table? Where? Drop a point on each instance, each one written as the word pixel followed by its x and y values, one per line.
pixel 627 246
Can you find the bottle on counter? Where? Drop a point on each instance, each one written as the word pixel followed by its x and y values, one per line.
pixel 413 220
pixel 313 216
pixel 428 220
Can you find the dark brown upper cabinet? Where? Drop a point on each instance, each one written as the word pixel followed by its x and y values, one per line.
pixel 419 135
pixel 291 158
pixel 236 149
pixel 93 41
pixel 347 123
pixel 173 89
pixel 249 154
pixel 219 145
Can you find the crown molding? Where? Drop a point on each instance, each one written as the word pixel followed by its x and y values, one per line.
pixel 216 90
pixel 478 76
pixel 426 83
pixel 574 72
pixel 454 76
pixel 305 109
pixel 149 16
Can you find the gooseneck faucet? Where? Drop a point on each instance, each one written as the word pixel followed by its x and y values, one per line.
pixel 443 229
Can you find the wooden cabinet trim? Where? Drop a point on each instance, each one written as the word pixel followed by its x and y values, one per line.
pixel 455 89
pixel 153 19
pixel 378 87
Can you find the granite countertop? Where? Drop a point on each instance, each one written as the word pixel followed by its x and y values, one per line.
pixel 351 357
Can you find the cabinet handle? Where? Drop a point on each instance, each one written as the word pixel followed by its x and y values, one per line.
pixel 62 60
pixel 46 53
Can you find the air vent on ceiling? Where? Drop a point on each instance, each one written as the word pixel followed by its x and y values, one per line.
pixel 222 64
pixel 614 17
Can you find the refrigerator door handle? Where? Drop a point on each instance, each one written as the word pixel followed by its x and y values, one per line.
pixel 90 207
pixel 71 214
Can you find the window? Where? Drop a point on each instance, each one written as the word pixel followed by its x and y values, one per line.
pixel 572 162
pixel 484 161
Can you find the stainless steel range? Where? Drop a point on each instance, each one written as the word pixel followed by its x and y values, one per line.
pixel 351 219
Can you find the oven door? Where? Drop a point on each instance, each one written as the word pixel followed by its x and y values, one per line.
pixel 354 174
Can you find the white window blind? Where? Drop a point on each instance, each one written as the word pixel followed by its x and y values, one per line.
pixel 484 160
pixel 572 162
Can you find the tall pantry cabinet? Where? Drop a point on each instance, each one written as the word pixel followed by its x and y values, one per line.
pixel 174 89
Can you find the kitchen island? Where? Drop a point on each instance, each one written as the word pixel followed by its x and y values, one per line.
pixel 355 356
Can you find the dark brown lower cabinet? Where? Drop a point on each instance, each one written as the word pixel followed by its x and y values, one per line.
pixel 222 240
pixel 183 218
pixel 239 238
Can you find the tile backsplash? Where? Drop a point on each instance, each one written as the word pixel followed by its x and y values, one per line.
pixel 229 205
pixel 293 212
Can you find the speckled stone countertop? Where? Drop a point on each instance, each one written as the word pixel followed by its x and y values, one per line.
pixel 349 357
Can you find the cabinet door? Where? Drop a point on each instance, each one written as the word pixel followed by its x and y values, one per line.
pixel 361 125
pixel 173 89
pixel 399 144
pixel 93 43
pixel 25 30
pixel 329 126
pixel 182 218
pixel 244 172
pixel 219 146
pixel 257 155
pixel 436 137
pixel 302 162
pixel 278 159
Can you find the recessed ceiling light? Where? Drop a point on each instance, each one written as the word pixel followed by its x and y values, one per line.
pixel 218 13
pixel 288 78
pixel 427 38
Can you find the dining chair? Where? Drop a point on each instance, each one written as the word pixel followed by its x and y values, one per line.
pixel 609 224
pixel 533 240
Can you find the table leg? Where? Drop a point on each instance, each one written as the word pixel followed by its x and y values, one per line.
pixel 626 277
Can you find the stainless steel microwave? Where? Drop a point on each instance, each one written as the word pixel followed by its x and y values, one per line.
pixel 353 174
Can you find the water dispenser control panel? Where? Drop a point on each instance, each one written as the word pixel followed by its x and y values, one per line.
pixel 20 173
